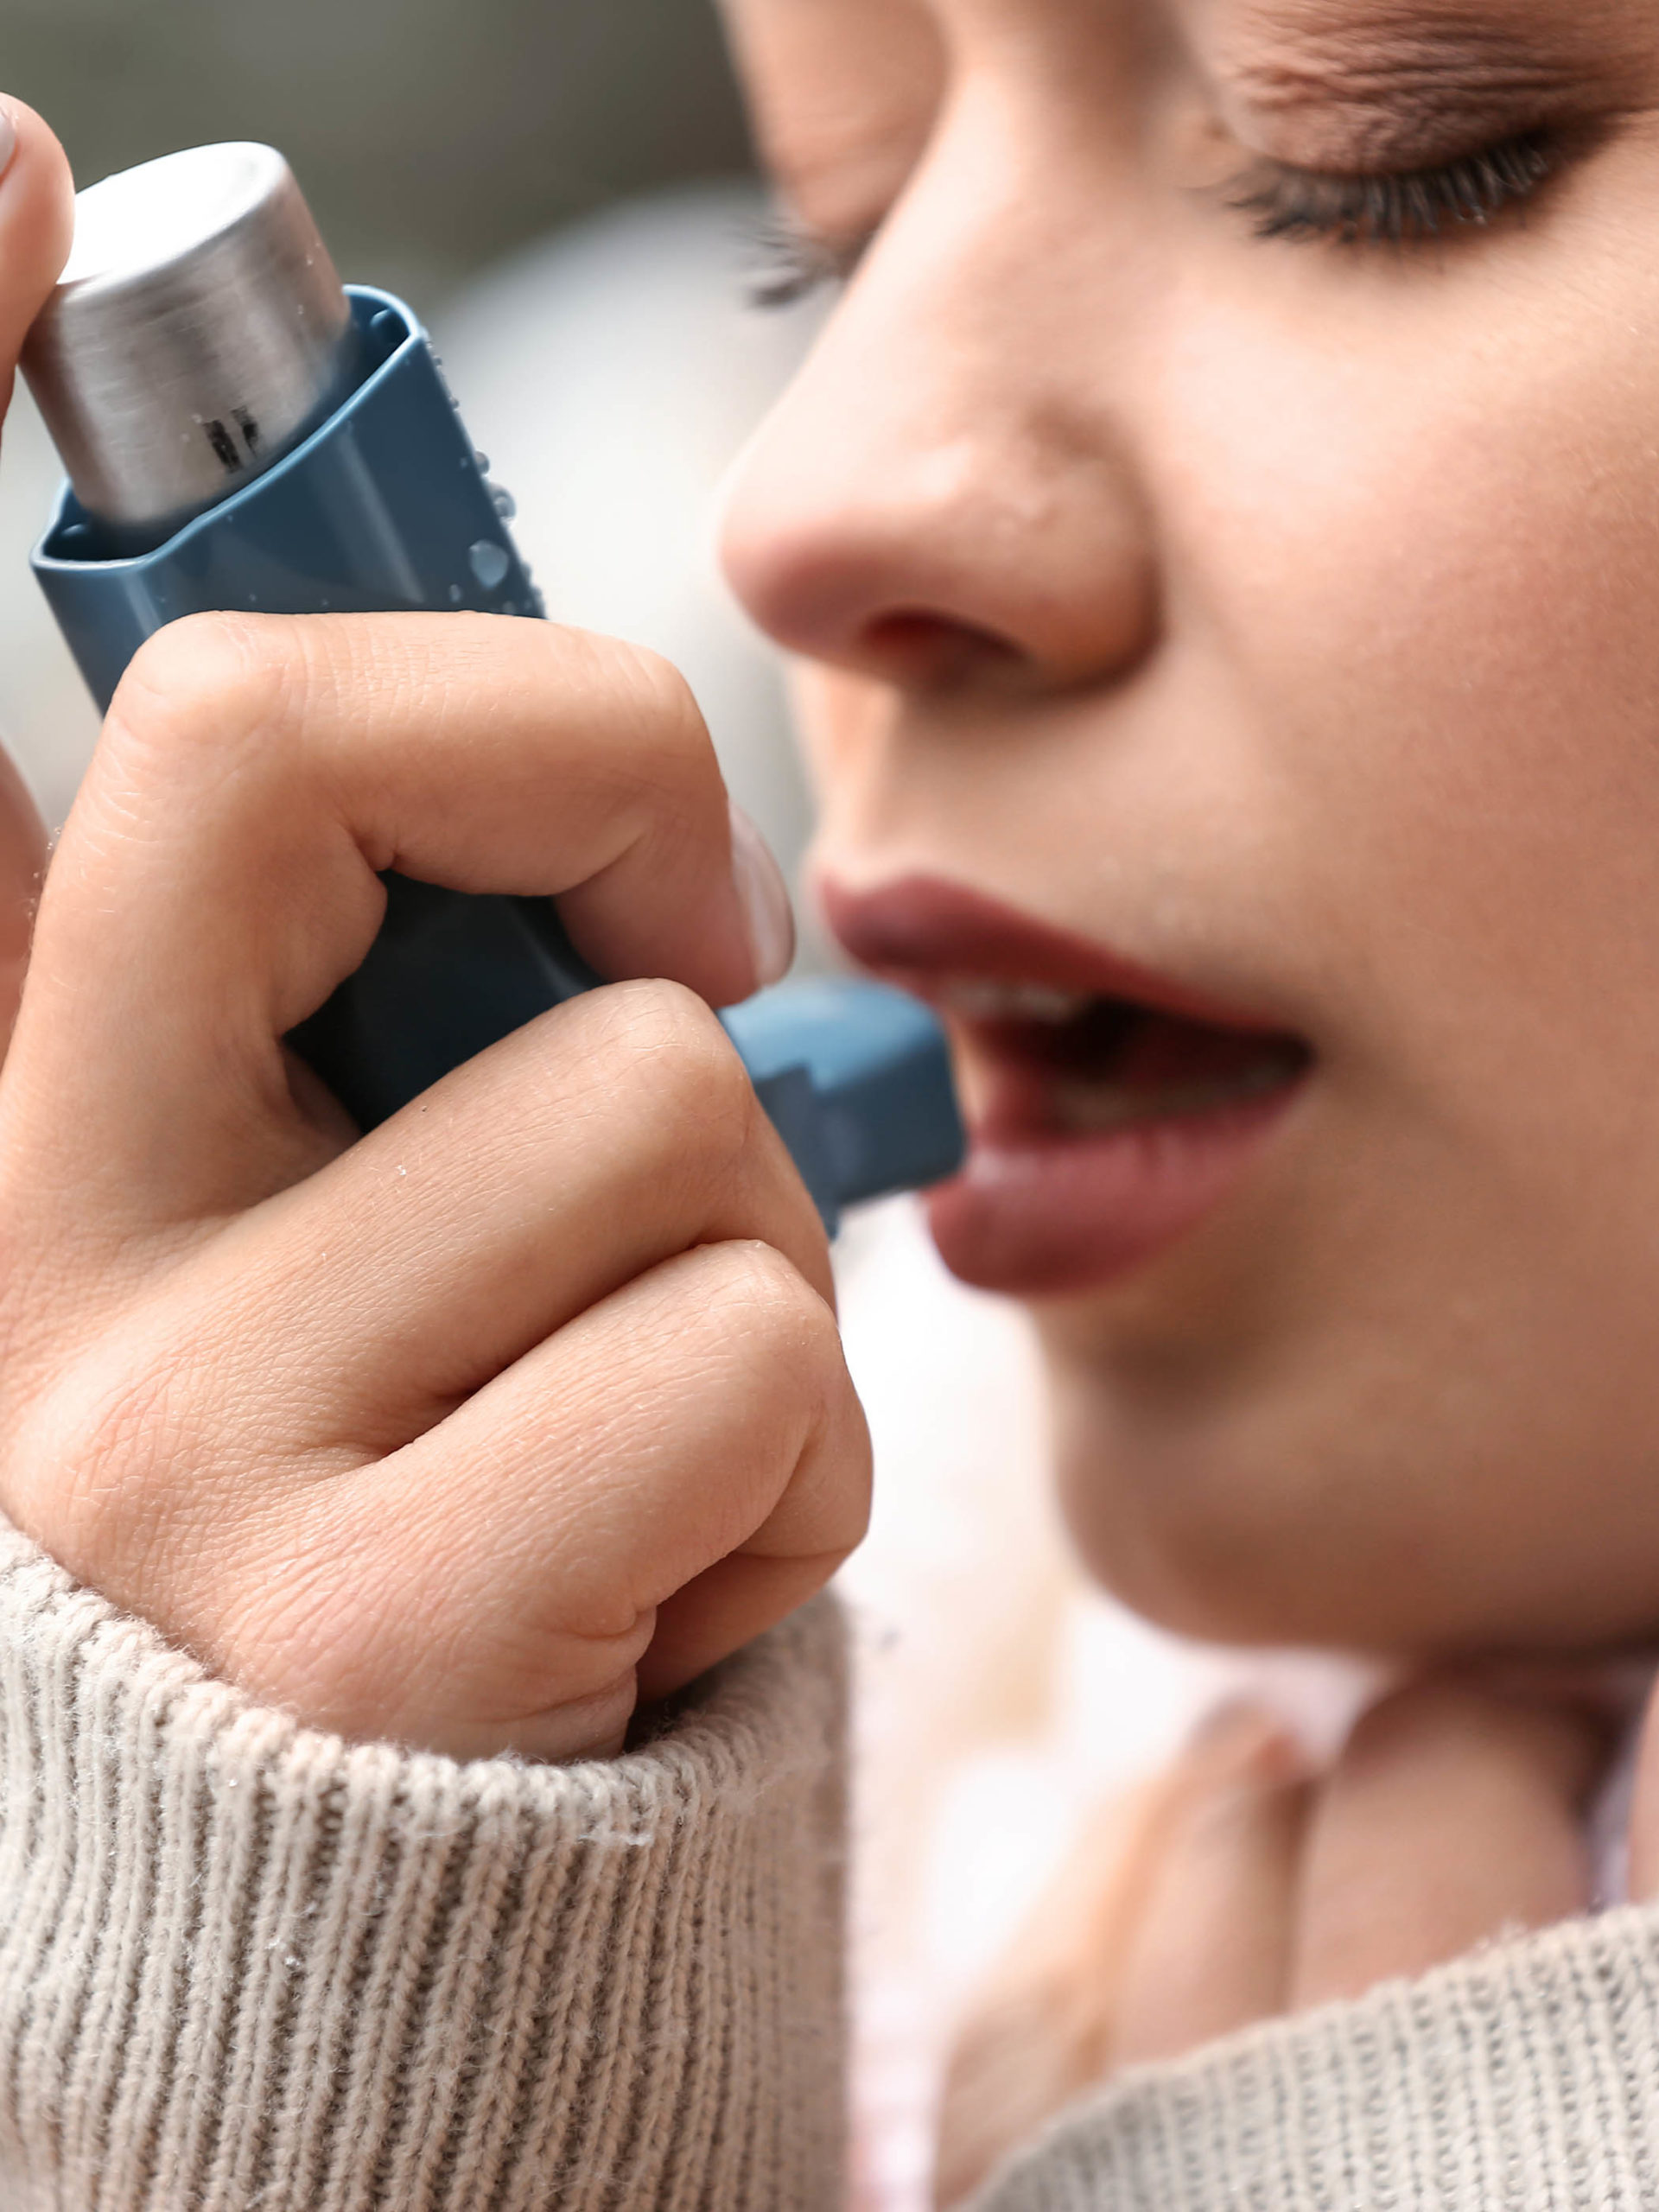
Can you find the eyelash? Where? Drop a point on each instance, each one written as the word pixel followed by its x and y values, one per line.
pixel 789 264
pixel 1406 209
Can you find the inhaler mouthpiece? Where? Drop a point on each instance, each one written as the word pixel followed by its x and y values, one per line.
pixel 199 332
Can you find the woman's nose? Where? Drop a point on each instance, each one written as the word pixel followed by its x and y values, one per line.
pixel 939 503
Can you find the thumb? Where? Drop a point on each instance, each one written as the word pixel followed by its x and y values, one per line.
pixel 36 223
pixel 23 863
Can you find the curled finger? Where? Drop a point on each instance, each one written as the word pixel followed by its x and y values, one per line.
pixel 558 1543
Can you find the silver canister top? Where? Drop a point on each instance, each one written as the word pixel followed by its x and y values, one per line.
pixel 199 331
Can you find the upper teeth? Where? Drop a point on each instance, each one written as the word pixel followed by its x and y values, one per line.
pixel 1089 1109
pixel 982 1000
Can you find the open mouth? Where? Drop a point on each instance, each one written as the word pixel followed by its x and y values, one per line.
pixel 1073 1064
pixel 1110 1108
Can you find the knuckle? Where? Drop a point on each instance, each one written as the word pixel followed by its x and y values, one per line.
pixel 305 1638
pixel 853 1454
pixel 752 1279
pixel 207 679
pixel 666 751
pixel 698 1087
pixel 757 1289
pixel 667 701
pixel 117 1435
pixel 649 703
pixel 793 1351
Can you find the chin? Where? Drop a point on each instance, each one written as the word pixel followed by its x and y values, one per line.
pixel 1257 1522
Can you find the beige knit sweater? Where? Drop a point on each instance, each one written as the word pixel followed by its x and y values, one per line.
pixel 246 1968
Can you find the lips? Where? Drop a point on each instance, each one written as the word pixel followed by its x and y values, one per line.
pixel 1111 1108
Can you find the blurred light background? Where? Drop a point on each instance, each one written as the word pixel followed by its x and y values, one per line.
pixel 432 135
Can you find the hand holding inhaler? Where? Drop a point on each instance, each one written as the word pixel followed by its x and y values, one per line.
pixel 530 1402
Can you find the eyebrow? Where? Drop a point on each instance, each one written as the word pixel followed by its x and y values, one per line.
pixel 1394 72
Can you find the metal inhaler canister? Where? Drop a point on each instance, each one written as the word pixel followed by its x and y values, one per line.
pixel 242 430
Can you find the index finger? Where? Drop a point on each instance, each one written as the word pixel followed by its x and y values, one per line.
pixel 219 875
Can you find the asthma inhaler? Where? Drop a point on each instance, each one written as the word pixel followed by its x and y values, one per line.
pixel 242 430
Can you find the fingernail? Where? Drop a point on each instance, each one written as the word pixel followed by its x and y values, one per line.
pixel 8 138
pixel 764 897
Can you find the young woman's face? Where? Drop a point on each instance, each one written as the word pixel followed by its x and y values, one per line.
pixel 1222 521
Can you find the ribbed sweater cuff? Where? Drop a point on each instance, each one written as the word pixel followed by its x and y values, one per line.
pixel 1523 2079
pixel 245 1964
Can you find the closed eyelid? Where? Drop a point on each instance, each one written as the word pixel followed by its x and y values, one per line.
pixel 1405 80
pixel 1364 71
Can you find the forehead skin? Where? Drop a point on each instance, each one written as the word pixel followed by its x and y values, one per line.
pixel 1359 72
pixel 844 92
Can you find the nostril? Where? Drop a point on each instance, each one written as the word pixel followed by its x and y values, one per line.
pixel 923 650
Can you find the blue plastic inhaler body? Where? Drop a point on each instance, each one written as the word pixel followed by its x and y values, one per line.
pixel 385 507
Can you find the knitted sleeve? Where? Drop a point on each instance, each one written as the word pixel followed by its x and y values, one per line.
pixel 244 1965
pixel 1524 2078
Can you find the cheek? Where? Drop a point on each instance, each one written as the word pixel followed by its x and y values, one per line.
pixel 1428 567
pixel 1449 1486
pixel 1419 576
